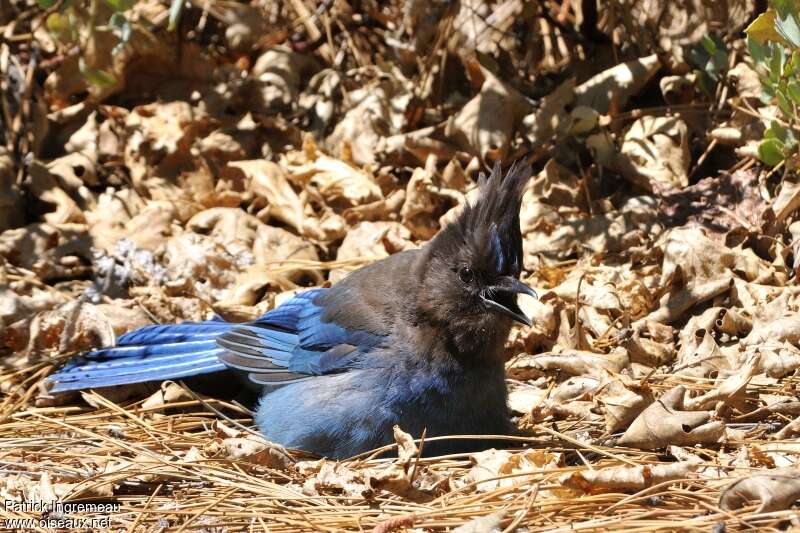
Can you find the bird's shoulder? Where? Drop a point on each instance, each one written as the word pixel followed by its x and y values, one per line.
pixel 375 297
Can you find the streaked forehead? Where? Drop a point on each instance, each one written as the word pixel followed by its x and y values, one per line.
pixel 503 252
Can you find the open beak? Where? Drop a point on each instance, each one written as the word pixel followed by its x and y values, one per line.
pixel 503 298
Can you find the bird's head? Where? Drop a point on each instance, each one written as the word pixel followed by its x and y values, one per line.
pixel 472 267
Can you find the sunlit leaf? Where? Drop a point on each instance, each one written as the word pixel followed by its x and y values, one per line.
pixel 789 28
pixel 770 152
pixel 762 29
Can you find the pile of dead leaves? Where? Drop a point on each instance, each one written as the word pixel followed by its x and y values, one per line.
pixel 264 148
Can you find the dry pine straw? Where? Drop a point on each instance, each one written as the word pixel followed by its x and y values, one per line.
pixel 157 489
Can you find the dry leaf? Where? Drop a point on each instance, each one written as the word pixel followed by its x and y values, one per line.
pixel 491 464
pixel 616 85
pixel 655 153
pixel 269 181
pixel 627 478
pixel 774 490
pixel 665 422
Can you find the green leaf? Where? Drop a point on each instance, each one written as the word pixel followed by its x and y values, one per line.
pixel 46 4
pixel 96 76
pixel 762 29
pixel 776 63
pixel 784 7
pixel 175 9
pixel 758 51
pixel 789 28
pixel 783 103
pixel 770 152
pixel 776 131
pixel 793 90
pixel 120 5
pixel 709 45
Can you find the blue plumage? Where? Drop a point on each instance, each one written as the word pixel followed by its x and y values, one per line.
pixel 416 339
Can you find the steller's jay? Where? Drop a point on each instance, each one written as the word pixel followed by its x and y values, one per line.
pixel 416 339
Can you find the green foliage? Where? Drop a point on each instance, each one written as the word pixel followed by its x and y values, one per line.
pixel 710 59
pixel 75 22
pixel 773 41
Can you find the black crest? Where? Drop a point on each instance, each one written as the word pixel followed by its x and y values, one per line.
pixel 490 226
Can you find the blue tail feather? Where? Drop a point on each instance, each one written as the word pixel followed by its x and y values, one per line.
pixel 125 379
pixel 151 353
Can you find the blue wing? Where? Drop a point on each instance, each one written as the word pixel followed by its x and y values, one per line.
pixel 294 342
pixel 288 343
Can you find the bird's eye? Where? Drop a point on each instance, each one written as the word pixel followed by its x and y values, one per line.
pixel 466 274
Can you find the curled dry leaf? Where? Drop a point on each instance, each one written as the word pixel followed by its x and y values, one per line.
pixel 613 87
pixel 231 227
pixel 405 477
pixel 273 246
pixel 627 478
pixel 610 232
pixel 783 329
pixel 692 257
pixel 323 477
pixel 622 401
pixel 199 265
pixel 665 422
pixel 655 153
pixel 791 429
pixel 162 135
pixel 700 356
pixel 787 202
pixel 523 400
pixel 246 446
pixel 73 327
pixel 426 201
pixel 575 388
pixel 45 186
pixel 775 490
pixel 250 287
pixel 675 303
pixel 489 465
pixel 267 180
pixel 557 186
pixel 277 76
pixel 550 122
pixel 577 362
pixel 377 112
pixel 486 124
pixel 168 392
pixel 371 241
pixel 731 390
pixel 777 360
pixel 337 183
pixel 153 224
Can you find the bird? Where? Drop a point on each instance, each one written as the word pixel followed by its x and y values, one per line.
pixel 416 340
